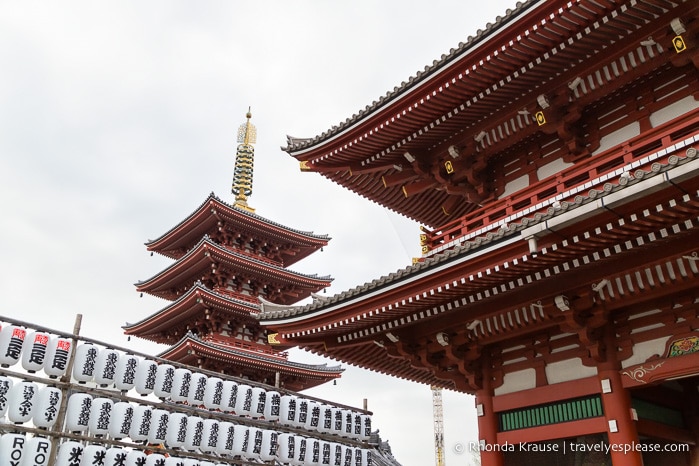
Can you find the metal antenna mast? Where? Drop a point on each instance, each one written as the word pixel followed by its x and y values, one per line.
pixel 437 413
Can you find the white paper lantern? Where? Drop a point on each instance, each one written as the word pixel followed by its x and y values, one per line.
pixel 11 342
pixel 195 433
pixel 213 395
pixel 48 402
pixel 337 421
pixel 125 377
pixel 254 443
pixel 140 425
pixel 326 419
pixel 69 454
pixel 84 364
pixel 100 414
pixel 302 409
pixel 164 376
pixel 347 425
pixel 347 455
pixel 78 412
pixel 174 461
pixel 366 427
pixel 336 454
pixel 362 457
pixel 287 447
pixel 314 451
pixel 21 401
pixel 191 462
pixel 34 351
pixel 158 426
pixel 288 410
pixel 5 385
pixel 210 436
pixel 12 448
pixel 326 452
pixel 176 430
pixel 57 356
pixel 313 417
pixel 155 459
pixel 92 455
pixel 105 366
pixel 120 420
pixel 357 425
pixel 229 396
pixel 197 389
pixel 181 385
pixel 115 457
pixel 257 409
pixel 243 402
pixel 36 452
pixel 303 451
pixel 268 449
pixel 135 458
pixel 145 377
pixel 241 440
pixel 226 434
pixel 272 403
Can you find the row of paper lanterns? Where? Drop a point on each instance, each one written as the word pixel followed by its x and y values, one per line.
pixel 108 367
pixel 155 425
pixel 20 450
pixel 36 350
pixel 25 401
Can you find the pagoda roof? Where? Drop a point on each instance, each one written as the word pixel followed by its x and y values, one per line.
pixel 191 348
pixel 197 301
pixel 213 210
pixel 481 98
pixel 617 236
pixel 207 255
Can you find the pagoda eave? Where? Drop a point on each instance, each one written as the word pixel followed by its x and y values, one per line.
pixel 210 258
pixel 208 218
pixel 251 364
pixel 198 303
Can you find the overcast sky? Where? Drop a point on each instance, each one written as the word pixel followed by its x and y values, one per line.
pixel 117 119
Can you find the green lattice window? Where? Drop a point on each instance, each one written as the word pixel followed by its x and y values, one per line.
pixel 657 413
pixel 553 413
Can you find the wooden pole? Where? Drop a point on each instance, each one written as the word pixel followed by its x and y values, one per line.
pixel 65 390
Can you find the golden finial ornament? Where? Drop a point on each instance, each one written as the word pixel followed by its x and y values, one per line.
pixel 244 161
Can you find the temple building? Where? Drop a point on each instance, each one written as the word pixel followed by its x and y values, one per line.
pixel 551 160
pixel 228 261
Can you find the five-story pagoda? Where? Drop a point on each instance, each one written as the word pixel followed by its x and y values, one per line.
pixel 229 263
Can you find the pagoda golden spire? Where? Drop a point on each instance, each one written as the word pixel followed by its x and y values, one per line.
pixel 244 161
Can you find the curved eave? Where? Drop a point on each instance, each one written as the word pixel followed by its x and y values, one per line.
pixel 470 269
pixel 189 346
pixel 207 254
pixel 196 302
pixel 204 220
pixel 420 85
pixel 481 87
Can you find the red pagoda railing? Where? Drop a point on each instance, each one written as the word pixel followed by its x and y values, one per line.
pixel 640 151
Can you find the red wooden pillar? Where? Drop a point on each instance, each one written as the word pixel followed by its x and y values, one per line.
pixel 616 401
pixel 491 454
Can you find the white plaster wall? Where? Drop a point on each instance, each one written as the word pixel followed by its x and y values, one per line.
pixel 552 168
pixel 642 351
pixel 570 369
pixel 517 381
pixel 673 111
pixel 618 136
pixel 515 185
